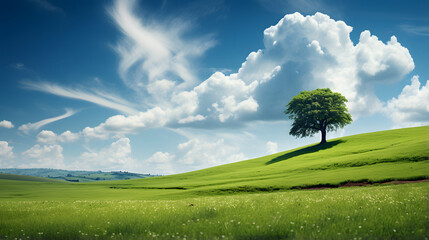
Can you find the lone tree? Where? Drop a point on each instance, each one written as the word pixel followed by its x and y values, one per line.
pixel 318 110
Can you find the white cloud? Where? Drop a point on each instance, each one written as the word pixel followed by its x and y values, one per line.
pixel 191 119
pixel 68 136
pixel 117 156
pixel 37 125
pixel 6 154
pixel 120 124
pixel 316 46
pixel 232 108
pixel 198 153
pixel 152 51
pixel 411 107
pixel 6 124
pixel 272 147
pixel 6 151
pixel 107 100
pixel 161 163
pixel 46 156
pixel 296 43
pixel 46 136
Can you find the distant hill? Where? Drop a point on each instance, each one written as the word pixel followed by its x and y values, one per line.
pixel 25 178
pixel 74 176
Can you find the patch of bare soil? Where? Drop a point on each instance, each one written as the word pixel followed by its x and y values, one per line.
pixel 364 183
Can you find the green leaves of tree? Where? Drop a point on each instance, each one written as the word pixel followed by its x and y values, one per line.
pixel 317 110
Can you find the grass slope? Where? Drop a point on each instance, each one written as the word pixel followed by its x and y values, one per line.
pixel 377 157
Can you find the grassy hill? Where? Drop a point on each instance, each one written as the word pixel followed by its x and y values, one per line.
pixel 375 157
pixel 401 154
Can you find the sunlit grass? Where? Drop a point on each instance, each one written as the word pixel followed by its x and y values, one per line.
pixel 378 156
pixel 384 212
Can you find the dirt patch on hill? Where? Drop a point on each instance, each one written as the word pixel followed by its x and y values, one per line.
pixel 362 184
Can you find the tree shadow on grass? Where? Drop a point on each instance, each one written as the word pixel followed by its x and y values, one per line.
pixel 303 151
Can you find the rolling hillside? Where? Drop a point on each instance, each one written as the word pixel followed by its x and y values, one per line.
pixel 374 157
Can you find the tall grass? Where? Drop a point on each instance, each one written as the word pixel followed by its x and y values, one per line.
pixel 384 212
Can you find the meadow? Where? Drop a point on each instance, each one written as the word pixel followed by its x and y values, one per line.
pixel 252 199
pixel 384 212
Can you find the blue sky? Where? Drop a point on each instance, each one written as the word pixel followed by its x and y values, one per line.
pixel 167 86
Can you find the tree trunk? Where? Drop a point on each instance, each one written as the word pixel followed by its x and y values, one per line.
pixel 323 131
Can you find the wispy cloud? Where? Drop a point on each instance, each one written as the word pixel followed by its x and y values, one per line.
pixel 417 30
pixel 19 66
pixel 98 97
pixel 37 125
pixel 302 6
pixel 48 6
pixel 152 51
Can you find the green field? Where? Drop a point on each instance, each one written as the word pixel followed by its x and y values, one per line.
pixel 385 212
pixel 253 199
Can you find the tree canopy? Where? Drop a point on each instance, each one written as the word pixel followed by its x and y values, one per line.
pixel 318 110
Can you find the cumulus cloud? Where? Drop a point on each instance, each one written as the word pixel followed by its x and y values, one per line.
pixel 316 51
pixel 161 163
pixel 6 151
pixel 411 107
pixel 37 125
pixel 120 124
pixel 45 156
pixel 196 153
pixel 199 153
pixel 6 124
pixel 46 136
pixel 117 156
pixel 68 136
pixel 272 147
